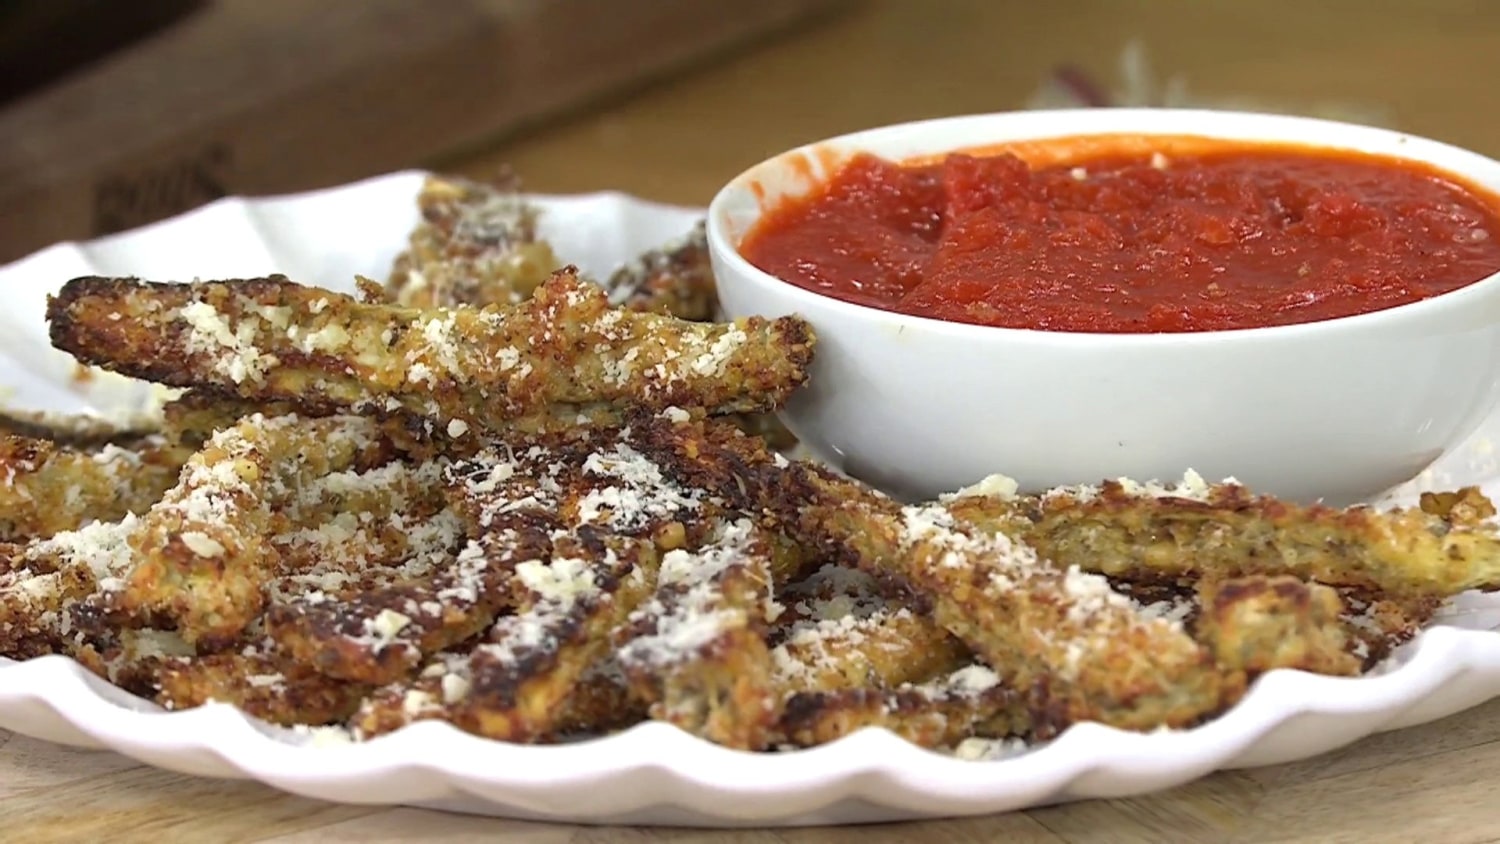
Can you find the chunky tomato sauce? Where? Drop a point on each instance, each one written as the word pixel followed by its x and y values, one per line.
pixel 1224 238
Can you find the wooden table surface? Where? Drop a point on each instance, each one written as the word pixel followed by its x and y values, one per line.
pixel 1427 66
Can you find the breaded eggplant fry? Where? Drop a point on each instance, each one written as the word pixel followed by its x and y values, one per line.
pixel 380 635
pixel 476 245
pixel 43 613
pixel 515 502
pixel 1257 624
pixel 791 561
pixel 586 480
pixel 43 581
pixel 674 279
pixel 427 697
pixel 262 685
pixel 202 555
pixel 130 659
pixel 355 523
pixel 468 369
pixel 534 659
pixel 513 686
pixel 1370 625
pixel 1468 506
pixel 967 703
pixel 1376 624
pixel 1191 530
pixel 383 633
pixel 195 416
pixel 602 513
pixel 1065 637
pixel 46 488
pixel 839 632
pixel 619 512
pixel 599 703
pixel 422 438
pixel 697 650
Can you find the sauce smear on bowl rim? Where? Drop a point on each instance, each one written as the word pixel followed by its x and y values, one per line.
pixel 1133 235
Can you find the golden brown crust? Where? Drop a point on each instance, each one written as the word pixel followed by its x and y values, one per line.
pixel 193 417
pixel 47 487
pixel 601 702
pixel 1224 531
pixel 380 635
pixel 354 530
pixel 1101 661
pixel 970 702
pixel 38 595
pixel 476 245
pixel 598 703
pixel 696 652
pixel 1257 624
pixel 674 279
pixel 202 554
pixel 569 529
pixel 840 631
pixel 1465 507
pixel 1376 624
pixel 270 339
pixel 513 685
pixel 534 659
pixel 262 685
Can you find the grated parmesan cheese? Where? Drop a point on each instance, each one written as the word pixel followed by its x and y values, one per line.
pixel 974 749
pixel 998 486
pixel 102 547
pixel 237 355
pixel 1192 487
pixel 642 494
pixel 386 626
pixel 562 580
pixel 713 361
pixel 202 544
pixel 690 609
pixel 455 688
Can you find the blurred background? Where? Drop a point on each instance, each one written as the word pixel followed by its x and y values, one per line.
pixel 114 114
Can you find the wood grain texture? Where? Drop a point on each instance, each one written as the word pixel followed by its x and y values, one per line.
pixel 1431 63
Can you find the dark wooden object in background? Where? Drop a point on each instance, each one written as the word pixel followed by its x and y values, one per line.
pixel 265 96
pixel 44 40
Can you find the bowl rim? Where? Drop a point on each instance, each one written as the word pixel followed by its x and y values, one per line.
pixel 725 249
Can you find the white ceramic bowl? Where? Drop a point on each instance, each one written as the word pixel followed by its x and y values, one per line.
pixel 1338 410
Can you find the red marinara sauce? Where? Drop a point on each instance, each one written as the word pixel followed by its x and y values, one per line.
pixel 1226 237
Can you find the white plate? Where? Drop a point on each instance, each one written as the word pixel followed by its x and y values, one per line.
pixel 652 773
